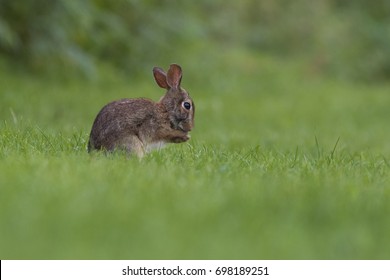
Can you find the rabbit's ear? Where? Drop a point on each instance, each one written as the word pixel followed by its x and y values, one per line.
pixel 174 76
pixel 160 77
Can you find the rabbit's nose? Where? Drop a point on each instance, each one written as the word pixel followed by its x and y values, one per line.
pixel 186 126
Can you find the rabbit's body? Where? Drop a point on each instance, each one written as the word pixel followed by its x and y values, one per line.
pixel 139 125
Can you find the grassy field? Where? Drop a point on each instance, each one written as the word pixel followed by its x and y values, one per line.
pixel 282 164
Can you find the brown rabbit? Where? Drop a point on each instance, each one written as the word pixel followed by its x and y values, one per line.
pixel 138 125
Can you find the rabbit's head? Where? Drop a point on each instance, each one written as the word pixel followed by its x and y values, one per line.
pixel 177 102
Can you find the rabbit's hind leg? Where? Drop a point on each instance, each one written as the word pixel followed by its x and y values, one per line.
pixel 133 145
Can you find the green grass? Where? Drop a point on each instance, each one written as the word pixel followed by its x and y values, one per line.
pixel 282 164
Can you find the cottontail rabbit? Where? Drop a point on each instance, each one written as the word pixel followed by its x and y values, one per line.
pixel 138 125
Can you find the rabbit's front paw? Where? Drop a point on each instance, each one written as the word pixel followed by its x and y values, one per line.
pixel 181 139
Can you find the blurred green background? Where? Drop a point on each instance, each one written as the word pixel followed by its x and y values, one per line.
pixel 348 39
pixel 289 157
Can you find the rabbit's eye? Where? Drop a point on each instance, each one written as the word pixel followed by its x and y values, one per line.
pixel 187 105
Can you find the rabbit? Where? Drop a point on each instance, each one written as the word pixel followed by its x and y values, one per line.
pixel 139 125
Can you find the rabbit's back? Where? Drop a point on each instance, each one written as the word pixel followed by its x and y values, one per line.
pixel 118 120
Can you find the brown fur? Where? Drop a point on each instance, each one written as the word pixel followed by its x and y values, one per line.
pixel 135 124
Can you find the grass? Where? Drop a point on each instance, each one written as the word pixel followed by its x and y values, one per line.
pixel 282 164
